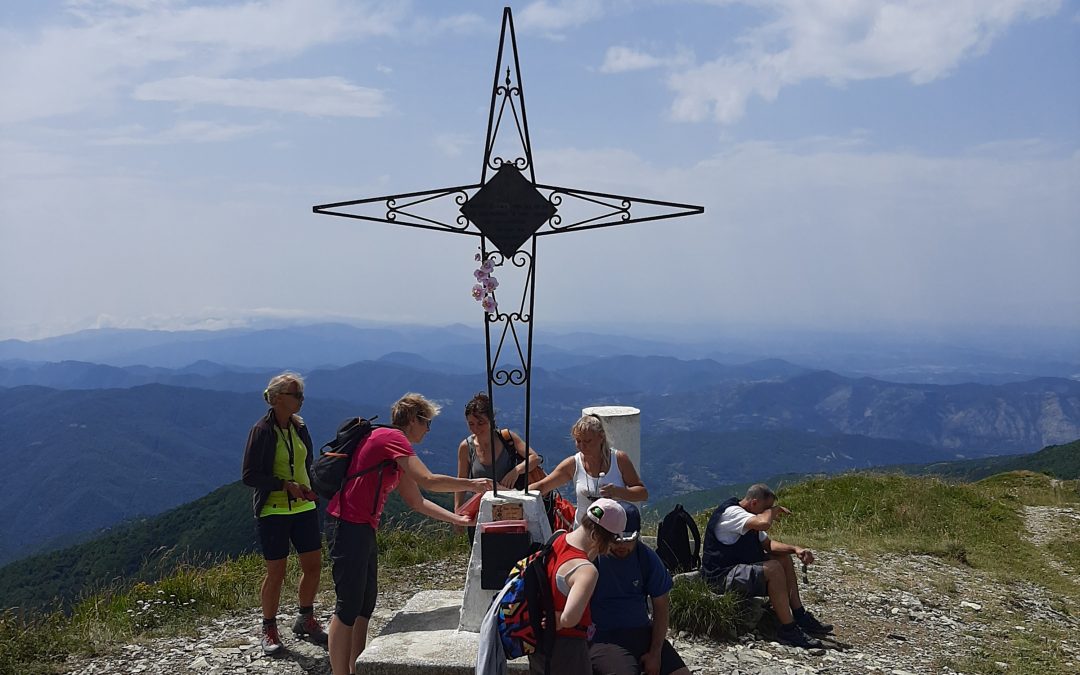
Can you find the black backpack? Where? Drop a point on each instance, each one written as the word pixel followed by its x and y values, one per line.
pixel 673 541
pixel 329 472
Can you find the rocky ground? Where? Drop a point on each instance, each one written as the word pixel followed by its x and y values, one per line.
pixel 893 614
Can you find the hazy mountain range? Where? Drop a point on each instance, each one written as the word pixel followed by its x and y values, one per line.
pixel 92 444
pixel 990 356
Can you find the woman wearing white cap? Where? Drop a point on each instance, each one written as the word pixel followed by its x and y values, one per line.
pixel 573 578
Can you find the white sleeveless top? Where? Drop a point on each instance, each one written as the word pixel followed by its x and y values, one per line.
pixel 587 488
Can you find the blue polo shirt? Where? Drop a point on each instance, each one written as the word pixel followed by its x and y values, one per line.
pixel 619 600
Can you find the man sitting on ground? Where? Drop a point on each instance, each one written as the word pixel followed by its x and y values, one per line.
pixel 627 642
pixel 738 555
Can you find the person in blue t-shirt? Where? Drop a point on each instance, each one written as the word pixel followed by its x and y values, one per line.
pixel 628 641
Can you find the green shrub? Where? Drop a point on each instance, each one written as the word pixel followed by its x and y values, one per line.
pixel 695 608
pixel 403 547
pixel 32 645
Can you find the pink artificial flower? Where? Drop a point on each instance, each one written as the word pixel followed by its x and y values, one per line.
pixel 480 274
pixel 490 284
pixel 477 292
pixel 489 304
pixel 476 257
pixel 488 266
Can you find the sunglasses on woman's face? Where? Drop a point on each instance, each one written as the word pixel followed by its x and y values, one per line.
pixel 425 420
pixel 298 395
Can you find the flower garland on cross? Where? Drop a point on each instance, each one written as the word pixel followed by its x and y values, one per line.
pixel 486 283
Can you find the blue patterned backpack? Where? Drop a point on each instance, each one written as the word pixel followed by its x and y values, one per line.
pixel 526 613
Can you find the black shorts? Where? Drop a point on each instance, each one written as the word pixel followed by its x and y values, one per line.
pixel 620 652
pixel 355 558
pixel 569 656
pixel 302 529
pixel 747 579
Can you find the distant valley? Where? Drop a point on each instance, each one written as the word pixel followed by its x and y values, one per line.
pixel 93 444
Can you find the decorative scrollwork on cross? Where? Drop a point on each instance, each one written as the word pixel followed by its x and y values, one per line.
pixel 517 372
pixel 505 94
pixel 509 211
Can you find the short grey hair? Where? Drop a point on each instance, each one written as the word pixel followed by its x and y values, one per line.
pixel 760 491
pixel 280 383
pixel 410 406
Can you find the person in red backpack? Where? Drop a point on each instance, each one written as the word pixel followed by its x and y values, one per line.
pixel 573 579
pixel 354 512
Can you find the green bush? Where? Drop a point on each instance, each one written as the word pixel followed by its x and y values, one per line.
pixel 420 544
pixel 695 608
pixel 32 645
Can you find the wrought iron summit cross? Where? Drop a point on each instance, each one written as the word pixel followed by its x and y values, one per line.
pixel 508 211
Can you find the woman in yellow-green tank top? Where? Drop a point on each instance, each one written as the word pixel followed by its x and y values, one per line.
pixel 277 461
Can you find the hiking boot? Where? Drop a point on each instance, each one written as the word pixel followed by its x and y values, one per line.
pixel 792 635
pixel 306 625
pixel 270 640
pixel 810 624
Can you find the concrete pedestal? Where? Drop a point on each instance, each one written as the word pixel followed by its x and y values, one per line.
pixel 622 425
pixel 477 599
pixel 421 639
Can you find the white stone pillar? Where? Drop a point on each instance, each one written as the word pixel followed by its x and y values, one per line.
pixel 622 426
pixel 477 599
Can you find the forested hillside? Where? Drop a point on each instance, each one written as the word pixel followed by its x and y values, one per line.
pixel 90 457
pixel 212 528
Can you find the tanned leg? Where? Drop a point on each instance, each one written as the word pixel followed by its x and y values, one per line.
pixel 359 638
pixel 270 594
pixel 310 566
pixel 776 583
pixel 340 645
pixel 788 564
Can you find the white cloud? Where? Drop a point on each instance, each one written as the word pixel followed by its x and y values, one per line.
pixel 107 47
pixel 552 17
pixel 193 131
pixel 280 27
pixel 820 234
pixel 816 234
pixel 321 96
pixel 458 24
pixel 22 161
pixel 216 318
pixel 842 41
pixel 620 59
pixel 452 145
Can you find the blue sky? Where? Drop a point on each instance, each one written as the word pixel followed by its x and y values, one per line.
pixel 863 164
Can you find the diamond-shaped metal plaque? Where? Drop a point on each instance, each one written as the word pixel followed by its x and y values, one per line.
pixel 508 210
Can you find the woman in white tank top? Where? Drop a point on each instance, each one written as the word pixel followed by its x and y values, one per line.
pixel 597 469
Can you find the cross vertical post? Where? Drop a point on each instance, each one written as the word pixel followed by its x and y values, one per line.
pixel 508 210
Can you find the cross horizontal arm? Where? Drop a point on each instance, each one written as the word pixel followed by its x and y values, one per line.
pixel 604 209
pixel 407 209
